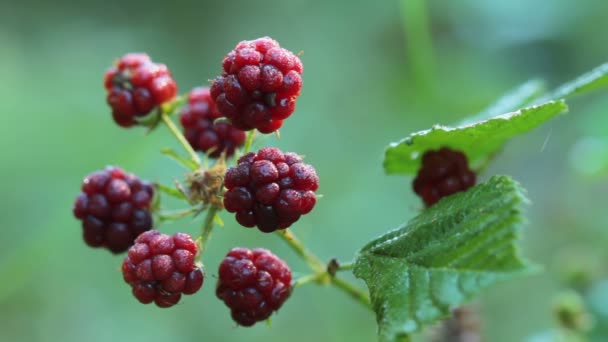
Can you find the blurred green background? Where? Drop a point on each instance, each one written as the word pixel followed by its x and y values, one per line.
pixel 370 78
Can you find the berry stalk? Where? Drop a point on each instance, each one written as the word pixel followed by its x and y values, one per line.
pixel 312 260
pixel 207 228
pixel 320 270
pixel 315 277
pixel 180 137
pixel 249 141
pixel 354 292
pixel 345 266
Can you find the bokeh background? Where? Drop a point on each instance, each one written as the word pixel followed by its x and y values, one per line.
pixel 373 74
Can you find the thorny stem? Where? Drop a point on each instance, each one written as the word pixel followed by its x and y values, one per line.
pixel 321 275
pixel 180 138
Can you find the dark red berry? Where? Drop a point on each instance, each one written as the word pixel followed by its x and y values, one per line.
pixel 443 172
pixel 259 85
pixel 136 86
pixel 114 208
pixel 202 133
pixel 253 284
pixel 160 268
pixel 270 189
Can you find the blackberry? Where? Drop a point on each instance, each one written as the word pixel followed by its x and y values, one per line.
pixel 160 268
pixel 253 284
pixel 443 172
pixel 270 189
pixel 200 131
pixel 114 208
pixel 136 86
pixel 259 85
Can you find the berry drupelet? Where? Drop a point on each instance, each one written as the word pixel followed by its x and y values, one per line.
pixel 202 133
pixel 160 268
pixel 270 189
pixel 136 86
pixel 114 208
pixel 443 172
pixel 253 284
pixel 259 85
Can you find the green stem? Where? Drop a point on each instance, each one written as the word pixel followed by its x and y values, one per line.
pixel 321 275
pixel 307 279
pixel 180 137
pixel 249 141
pixel 418 42
pixel 295 244
pixel 353 291
pixel 207 228
pixel 346 266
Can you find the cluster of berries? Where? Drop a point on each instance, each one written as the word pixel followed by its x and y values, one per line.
pixel 257 89
pixel 116 213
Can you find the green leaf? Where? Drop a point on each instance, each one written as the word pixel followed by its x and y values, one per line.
pixel 479 140
pixel 439 260
pixel 596 79
pixel 511 101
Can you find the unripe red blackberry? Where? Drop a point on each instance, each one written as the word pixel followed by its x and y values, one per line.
pixel 253 284
pixel 259 85
pixel 197 119
pixel 269 189
pixel 114 208
pixel 160 268
pixel 136 86
pixel 443 172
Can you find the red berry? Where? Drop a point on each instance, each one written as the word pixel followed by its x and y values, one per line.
pixel 160 268
pixel 270 190
pixel 443 172
pixel 111 209
pixel 136 86
pixel 259 85
pixel 202 133
pixel 253 284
